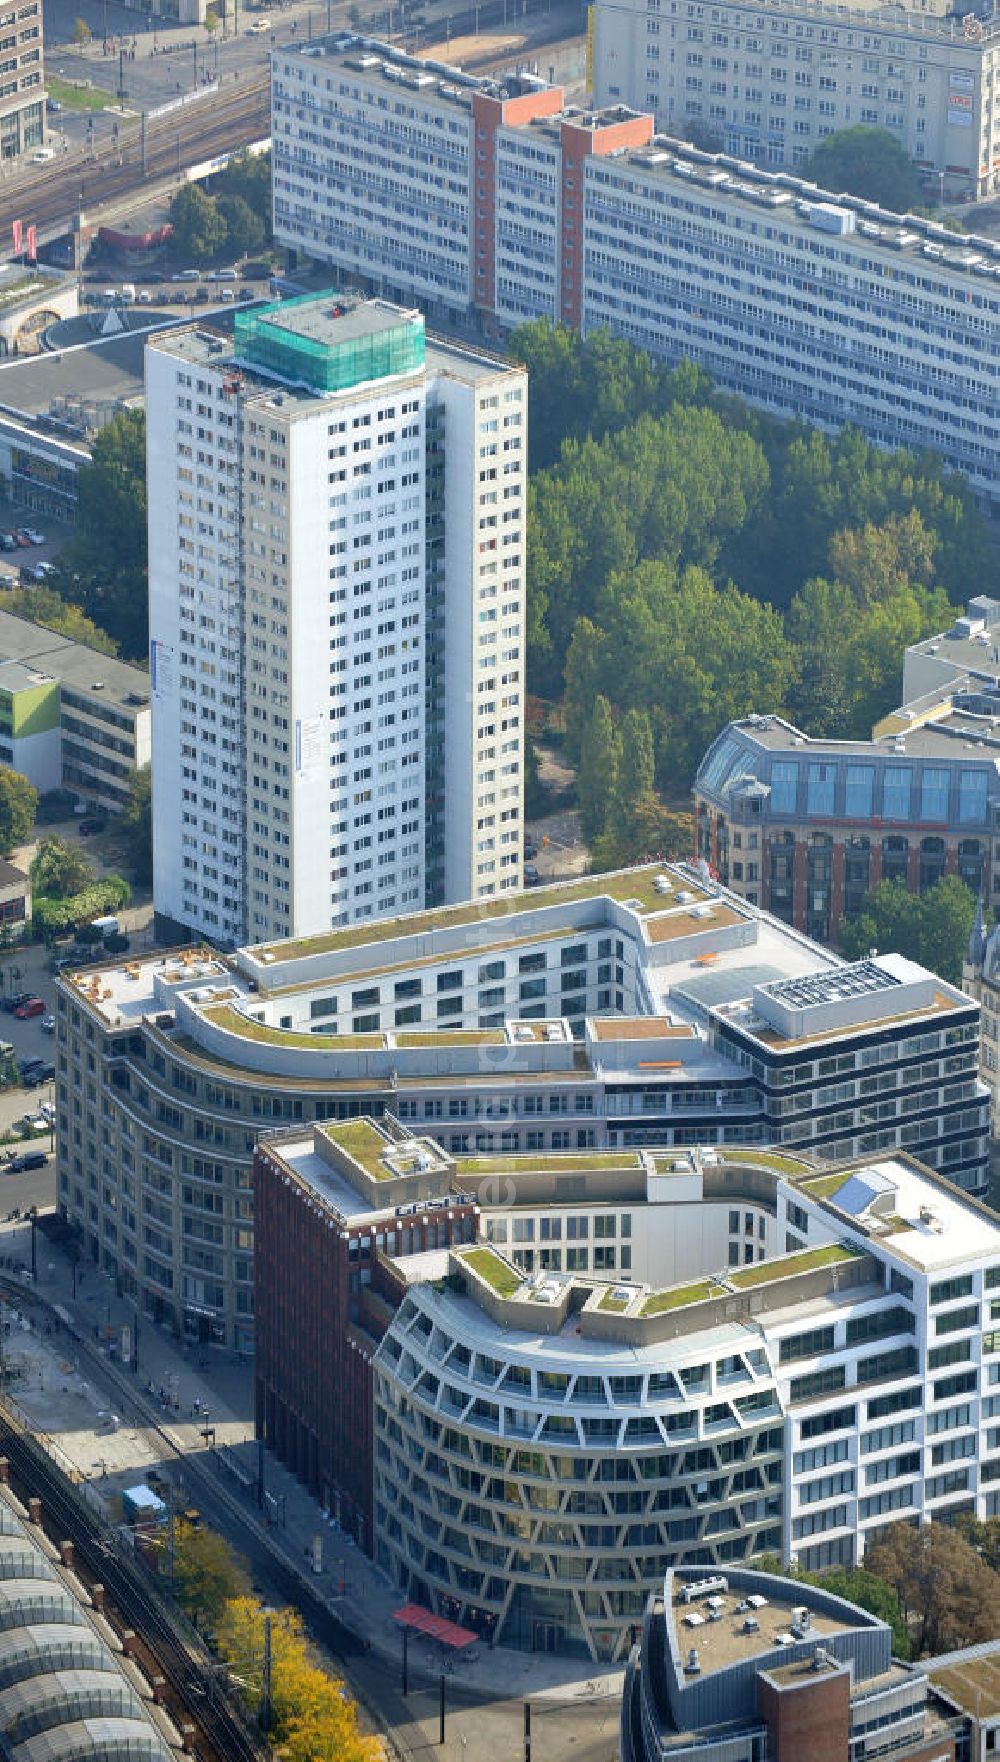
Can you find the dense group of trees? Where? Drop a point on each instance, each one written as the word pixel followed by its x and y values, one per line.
pixel 932 928
pixel 103 570
pixel 704 560
pixel 233 219
pixel 948 1593
pixel 66 890
pixel 867 162
pixel 312 1719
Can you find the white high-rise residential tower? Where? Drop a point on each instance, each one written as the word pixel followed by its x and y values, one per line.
pixel 336 579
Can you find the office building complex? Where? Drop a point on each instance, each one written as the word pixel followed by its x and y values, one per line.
pixel 336 521
pixel 494 201
pixel 807 827
pixel 22 92
pixel 740 1666
pixel 796 1354
pixel 772 81
pixel 69 716
pixel 622 1011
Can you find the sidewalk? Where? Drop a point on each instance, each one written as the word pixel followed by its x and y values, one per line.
pixel 182 1388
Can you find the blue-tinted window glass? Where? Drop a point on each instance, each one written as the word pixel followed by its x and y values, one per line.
pixel 972 797
pixel 858 792
pixel 896 792
pixel 819 789
pixel 784 786
pixel 933 794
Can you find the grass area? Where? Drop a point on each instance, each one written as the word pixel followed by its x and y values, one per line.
pixel 503 1279
pixel 19 287
pixel 789 1264
pixel 361 1140
pixel 74 97
pixel 659 1302
pixel 769 1159
pixel 628 884
pixel 233 1021
pixel 826 1186
pixel 566 1162
pixel 451 1037
pixel 616 1304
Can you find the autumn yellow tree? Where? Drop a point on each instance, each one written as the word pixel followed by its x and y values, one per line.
pixel 313 1720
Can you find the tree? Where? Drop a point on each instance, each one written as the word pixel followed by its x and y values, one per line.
pixel 82 32
pixel 103 570
pixel 44 606
pixel 597 779
pixel 18 804
pixel 948 1595
pixel 137 825
pixel 313 1720
pixel 244 228
pixel 248 175
pixel 866 162
pixel 199 228
pixel 60 870
pixel 207 1574
pixel 932 928
pixel 53 916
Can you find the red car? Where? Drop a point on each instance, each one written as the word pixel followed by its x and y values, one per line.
pixel 21 537
pixel 33 1006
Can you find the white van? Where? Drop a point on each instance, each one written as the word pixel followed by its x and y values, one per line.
pixel 41 154
pixel 107 926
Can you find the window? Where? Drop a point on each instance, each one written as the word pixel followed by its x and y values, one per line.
pixel 859 791
pixel 949 1289
pixel 807 1345
pixel 896 792
pixel 838 1419
pixel 972 797
pixel 879 1324
pixel 933 794
pixel 882 1367
pixel 954 1320
pixel 817 1382
pixel 819 789
pixel 784 786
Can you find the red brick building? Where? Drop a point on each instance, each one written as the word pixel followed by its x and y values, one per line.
pixel 329 1202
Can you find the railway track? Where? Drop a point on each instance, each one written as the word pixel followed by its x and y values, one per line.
pixel 188 1670
pixel 46 196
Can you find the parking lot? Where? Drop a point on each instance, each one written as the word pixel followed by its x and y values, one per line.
pixel 183 288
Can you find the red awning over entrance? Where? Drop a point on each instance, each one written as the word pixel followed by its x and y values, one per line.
pixel 435 1626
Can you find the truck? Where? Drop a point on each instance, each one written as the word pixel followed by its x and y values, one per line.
pixel 107 926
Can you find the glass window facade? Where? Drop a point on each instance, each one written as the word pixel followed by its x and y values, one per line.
pixel 784 786
pixel 972 797
pixel 820 784
pixel 934 794
pixel 896 792
pixel 859 790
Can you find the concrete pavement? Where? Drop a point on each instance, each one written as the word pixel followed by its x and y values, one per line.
pixel 186 1388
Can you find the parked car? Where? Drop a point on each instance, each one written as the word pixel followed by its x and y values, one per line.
pixel 53 106
pixel 531 875
pixel 186 275
pixel 7 541
pixel 21 538
pixel 48 1023
pixel 28 1159
pixel 144 297
pixel 25 1065
pixel 42 1073
pixel 34 536
pixel 530 848
pixel 32 1006
pixel 38 573
pixel 10 1004
pixel 90 828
